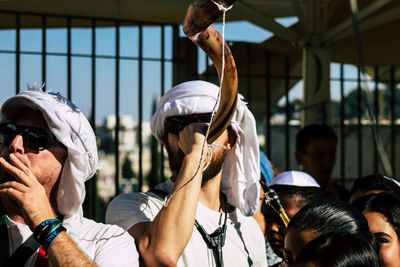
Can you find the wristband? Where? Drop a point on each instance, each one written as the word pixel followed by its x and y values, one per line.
pixel 50 237
pixel 43 227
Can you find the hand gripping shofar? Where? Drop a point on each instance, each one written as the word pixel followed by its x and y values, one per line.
pixel 197 27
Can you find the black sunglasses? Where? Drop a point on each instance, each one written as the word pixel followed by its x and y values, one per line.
pixel 176 124
pixel 34 138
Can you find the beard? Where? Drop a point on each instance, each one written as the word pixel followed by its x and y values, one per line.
pixel 175 160
pixel 215 166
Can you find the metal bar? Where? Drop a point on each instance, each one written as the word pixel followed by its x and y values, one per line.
pixel 375 21
pixel 43 49
pixel 256 17
pixel 85 56
pixel 17 52
pixel 376 107
pixel 108 19
pixel 287 109
pixel 69 94
pixel 359 124
pixel 268 103
pixel 342 128
pixel 140 105
pixel 162 174
pixel 393 118
pixel 93 181
pixel 302 21
pixel 117 122
pixel 365 12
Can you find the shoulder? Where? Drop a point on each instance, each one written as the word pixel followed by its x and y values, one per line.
pixel 126 210
pixel 91 230
pixel 105 244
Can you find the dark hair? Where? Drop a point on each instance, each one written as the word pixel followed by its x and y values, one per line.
pixel 336 250
pixel 375 182
pixel 311 131
pixel 383 203
pixel 305 194
pixel 330 216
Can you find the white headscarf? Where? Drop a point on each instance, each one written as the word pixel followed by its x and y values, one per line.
pixel 241 171
pixel 72 129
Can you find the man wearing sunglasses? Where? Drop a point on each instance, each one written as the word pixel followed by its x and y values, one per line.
pixel 199 217
pixel 48 151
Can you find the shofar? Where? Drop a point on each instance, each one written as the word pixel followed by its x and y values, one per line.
pixel 197 27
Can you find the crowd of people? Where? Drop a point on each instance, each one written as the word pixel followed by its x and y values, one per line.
pixel 211 212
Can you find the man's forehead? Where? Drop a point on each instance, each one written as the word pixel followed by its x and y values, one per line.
pixel 30 117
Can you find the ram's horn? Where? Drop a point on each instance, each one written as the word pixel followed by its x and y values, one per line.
pixel 197 27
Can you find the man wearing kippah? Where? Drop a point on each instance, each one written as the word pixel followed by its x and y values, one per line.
pixel 48 151
pixel 202 215
pixel 295 189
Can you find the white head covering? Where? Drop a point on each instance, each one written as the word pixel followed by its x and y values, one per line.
pixel 72 129
pixel 294 178
pixel 241 171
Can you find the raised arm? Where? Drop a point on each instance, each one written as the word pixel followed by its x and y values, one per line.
pixel 161 242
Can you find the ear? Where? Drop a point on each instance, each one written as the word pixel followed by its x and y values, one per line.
pixel 299 157
pixel 232 138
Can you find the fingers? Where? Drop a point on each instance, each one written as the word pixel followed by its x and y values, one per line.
pixel 13 190
pixel 17 169
pixel 15 185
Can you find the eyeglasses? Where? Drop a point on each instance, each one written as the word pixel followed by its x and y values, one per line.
pixel 34 138
pixel 176 124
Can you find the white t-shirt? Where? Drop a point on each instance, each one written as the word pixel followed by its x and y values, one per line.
pixel 244 243
pixel 106 245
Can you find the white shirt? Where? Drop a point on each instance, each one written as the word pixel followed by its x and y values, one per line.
pixel 244 244
pixel 106 245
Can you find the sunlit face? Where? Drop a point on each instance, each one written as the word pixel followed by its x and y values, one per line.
pixel 319 159
pixel 294 243
pixel 47 164
pixel 386 237
pixel 275 229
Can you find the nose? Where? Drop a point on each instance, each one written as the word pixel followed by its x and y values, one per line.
pixel 275 227
pixel 17 145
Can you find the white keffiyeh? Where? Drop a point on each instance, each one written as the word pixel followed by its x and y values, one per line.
pixel 241 171
pixel 72 129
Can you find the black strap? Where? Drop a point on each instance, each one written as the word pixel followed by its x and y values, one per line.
pixel 214 241
pixel 22 254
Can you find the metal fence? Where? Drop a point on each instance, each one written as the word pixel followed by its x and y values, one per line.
pixel 121 68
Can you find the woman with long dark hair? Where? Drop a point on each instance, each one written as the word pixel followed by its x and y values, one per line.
pixel 321 218
pixel 338 250
pixel 382 212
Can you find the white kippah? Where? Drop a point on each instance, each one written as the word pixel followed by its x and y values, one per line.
pixel 294 178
